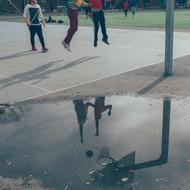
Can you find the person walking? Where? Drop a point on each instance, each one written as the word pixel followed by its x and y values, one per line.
pixel 34 19
pixel 133 6
pixel 125 7
pixel 98 18
pixel 73 8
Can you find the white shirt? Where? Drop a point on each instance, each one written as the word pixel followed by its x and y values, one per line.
pixel 33 13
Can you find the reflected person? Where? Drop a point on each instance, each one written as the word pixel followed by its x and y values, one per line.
pixel 81 110
pixel 99 108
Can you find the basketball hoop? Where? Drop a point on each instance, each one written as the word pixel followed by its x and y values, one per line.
pixel 104 157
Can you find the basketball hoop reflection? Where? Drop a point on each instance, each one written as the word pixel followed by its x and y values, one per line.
pixel 122 170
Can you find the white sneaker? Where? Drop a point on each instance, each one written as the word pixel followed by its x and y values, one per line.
pixel 66 46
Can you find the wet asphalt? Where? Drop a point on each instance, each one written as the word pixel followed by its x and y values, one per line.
pixel 117 142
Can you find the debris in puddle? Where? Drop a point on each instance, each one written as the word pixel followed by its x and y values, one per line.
pixel 158 180
pixel 92 172
pixel 104 164
pixel 68 187
pixel 125 179
pixel 121 165
pixel 88 183
pixel 9 163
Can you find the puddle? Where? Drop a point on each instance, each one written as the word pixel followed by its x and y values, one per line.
pixel 98 143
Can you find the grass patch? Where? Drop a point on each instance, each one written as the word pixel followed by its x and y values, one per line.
pixel 145 19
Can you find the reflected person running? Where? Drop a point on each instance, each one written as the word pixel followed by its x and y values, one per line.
pixel 99 108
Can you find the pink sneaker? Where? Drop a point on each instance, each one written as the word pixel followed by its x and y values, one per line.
pixel 34 48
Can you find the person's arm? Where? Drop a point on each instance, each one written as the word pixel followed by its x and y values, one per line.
pixel 90 3
pixel 84 4
pixel 41 16
pixel 25 15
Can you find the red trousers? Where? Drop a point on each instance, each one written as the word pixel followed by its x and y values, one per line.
pixel 73 18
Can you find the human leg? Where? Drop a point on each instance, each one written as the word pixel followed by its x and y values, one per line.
pixel 41 37
pixel 32 36
pixel 103 27
pixel 96 26
pixel 73 18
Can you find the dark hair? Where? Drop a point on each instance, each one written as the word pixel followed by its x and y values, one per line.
pixel 30 1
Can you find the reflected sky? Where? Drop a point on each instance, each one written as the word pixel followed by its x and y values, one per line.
pixel 59 142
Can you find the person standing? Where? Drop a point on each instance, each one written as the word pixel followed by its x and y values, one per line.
pixel 125 7
pixel 133 6
pixel 73 8
pixel 98 18
pixel 34 19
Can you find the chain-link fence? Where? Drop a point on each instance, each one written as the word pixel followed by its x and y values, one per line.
pixel 54 5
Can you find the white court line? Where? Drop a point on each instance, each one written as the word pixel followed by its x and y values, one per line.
pixel 114 45
pixel 83 83
pixel 125 47
pixel 49 92
pixel 28 84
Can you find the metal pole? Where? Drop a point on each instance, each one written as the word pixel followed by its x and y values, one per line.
pixel 11 3
pixel 169 37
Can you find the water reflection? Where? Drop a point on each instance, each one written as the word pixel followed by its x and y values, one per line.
pixel 81 109
pixel 99 108
pixel 122 170
pixel 45 143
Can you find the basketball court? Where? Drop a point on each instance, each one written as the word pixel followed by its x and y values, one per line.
pixel 25 74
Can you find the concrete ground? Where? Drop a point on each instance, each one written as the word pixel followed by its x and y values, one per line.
pixel 132 64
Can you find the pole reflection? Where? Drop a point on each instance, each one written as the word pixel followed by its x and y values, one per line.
pixel 115 171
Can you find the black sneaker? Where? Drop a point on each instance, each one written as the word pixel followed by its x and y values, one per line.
pixel 106 41
pixel 95 43
pixel 44 49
